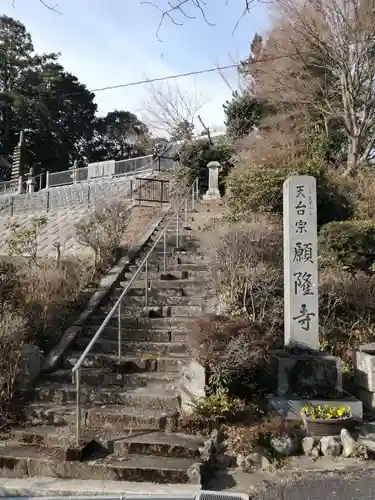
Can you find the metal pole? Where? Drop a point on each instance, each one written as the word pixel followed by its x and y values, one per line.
pixel 119 333
pixel 78 409
pixel 146 287
pixel 165 254
pixel 186 212
pixel 197 188
pixel 177 229
pixel 192 197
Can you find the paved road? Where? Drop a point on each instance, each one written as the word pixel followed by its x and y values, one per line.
pixel 343 487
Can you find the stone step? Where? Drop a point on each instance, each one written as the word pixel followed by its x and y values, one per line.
pixel 114 417
pixel 129 364
pixel 159 444
pixel 128 311
pixel 107 378
pixel 143 322
pixel 155 443
pixel 171 236
pixel 106 346
pixel 142 335
pixel 193 286
pixel 177 257
pixel 158 298
pixel 32 461
pixel 172 272
pixel 186 266
pixel 154 395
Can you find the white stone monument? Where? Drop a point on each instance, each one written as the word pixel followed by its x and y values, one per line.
pixel 300 263
pixel 213 193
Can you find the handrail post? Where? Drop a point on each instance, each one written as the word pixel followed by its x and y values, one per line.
pixel 177 229
pixel 186 210
pixel 119 333
pixel 197 188
pixel 146 287
pixel 165 254
pixel 78 403
pixel 192 197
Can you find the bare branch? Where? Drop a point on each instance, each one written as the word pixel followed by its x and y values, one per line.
pixel 168 107
pixel 200 5
pixel 51 7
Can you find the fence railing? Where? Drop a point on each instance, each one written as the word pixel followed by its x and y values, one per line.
pixel 7 187
pixel 191 195
pixel 152 190
pixel 66 177
pixel 99 170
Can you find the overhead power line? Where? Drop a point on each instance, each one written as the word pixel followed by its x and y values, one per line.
pixel 201 71
pixel 163 78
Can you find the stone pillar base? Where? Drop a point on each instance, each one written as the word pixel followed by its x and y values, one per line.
pixel 212 195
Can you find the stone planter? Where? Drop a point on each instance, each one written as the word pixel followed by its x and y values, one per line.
pixel 328 427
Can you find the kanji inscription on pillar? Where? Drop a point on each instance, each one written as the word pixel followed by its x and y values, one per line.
pixel 301 320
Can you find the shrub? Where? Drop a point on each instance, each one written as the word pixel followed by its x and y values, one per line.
pixel 350 243
pixel 246 438
pixel 255 188
pixel 216 406
pixel 11 292
pixel 346 310
pixel 12 336
pixel 23 240
pixel 235 353
pixel 51 295
pixel 242 254
pixel 103 229
pixel 195 156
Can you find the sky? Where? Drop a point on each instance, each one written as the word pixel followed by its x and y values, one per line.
pixel 113 42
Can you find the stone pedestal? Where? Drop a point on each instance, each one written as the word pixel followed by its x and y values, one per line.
pixel 364 373
pixel 213 193
pixel 308 375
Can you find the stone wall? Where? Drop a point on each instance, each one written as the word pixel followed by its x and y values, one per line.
pixel 82 195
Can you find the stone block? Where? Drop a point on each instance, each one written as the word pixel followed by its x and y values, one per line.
pixel 364 367
pixel 367 398
pixel 290 408
pixel 192 385
pixel 30 365
pixel 308 375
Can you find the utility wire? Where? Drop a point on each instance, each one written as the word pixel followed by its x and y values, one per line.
pixel 200 72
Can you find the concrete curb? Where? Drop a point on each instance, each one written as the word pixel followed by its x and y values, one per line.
pixel 105 287
pixel 54 487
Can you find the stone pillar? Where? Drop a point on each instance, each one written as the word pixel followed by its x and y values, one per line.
pixel 213 193
pixel 300 263
pixel 19 160
pixel 30 183
pixel 74 170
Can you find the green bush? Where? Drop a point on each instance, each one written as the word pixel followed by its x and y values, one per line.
pixel 256 189
pixel 195 156
pixel 350 243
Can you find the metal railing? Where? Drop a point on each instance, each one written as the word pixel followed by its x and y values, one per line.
pixel 191 195
pixel 132 165
pixel 9 187
pixel 99 170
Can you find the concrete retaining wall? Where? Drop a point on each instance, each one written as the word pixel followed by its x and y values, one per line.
pixel 72 197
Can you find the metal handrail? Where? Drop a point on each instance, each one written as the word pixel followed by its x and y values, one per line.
pixel 193 192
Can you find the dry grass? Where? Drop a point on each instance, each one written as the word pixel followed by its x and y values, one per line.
pixel 139 221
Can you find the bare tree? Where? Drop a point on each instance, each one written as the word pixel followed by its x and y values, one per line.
pixel 320 56
pixel 171 110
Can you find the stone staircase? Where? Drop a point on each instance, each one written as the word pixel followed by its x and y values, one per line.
pixel 130 410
